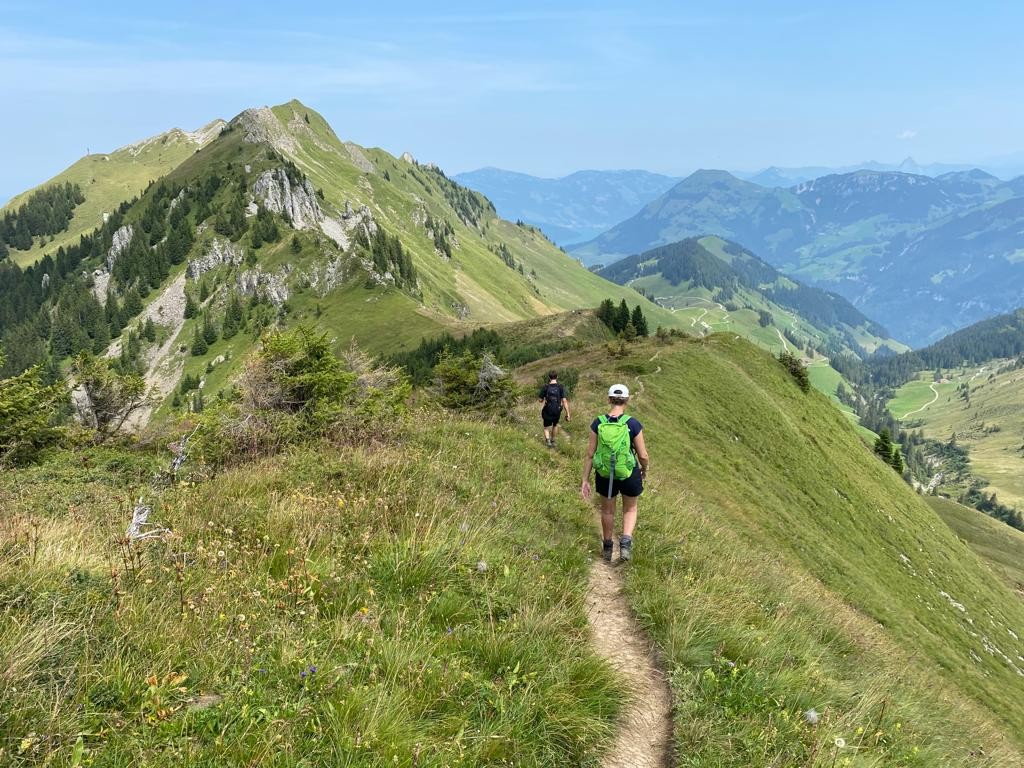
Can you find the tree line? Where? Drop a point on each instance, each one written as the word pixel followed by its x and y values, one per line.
pixel 46 212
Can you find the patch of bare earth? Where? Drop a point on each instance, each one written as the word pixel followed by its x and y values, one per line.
pixel 645 733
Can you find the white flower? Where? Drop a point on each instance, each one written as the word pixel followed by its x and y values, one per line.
pixel 811 716
pixel 840 742
pixel 481 567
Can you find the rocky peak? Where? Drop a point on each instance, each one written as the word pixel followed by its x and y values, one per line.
pixel 260 125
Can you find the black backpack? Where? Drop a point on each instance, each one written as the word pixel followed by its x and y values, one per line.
pixel 553 398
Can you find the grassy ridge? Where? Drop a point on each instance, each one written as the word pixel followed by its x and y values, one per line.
pixel 107 180
pixel 781 567
pixel 419 603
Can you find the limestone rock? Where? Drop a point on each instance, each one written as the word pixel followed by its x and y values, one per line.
pixel 119 244
pixel 255 281
pixel 220 252
pixel 296 200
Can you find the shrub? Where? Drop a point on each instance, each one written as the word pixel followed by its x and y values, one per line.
pixel 29 412
pixel 471 382
pixel 797 369
pixel 108 397
pixel 295 389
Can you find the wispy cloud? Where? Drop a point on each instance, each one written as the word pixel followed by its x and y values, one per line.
pixel 907 134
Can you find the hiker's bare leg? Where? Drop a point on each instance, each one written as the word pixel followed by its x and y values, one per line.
pixel 629 504
pixel 554 433
pixel 547 434
pixel 607 517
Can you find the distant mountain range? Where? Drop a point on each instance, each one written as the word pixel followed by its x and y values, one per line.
pixel 923 256
pixel 571 209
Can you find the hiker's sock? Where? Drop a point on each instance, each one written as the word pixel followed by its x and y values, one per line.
pixel 607 549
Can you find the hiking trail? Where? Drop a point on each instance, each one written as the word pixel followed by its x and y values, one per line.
pixel 645 731
pixel 935 396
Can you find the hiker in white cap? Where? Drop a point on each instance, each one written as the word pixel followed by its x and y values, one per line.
pixel 619 458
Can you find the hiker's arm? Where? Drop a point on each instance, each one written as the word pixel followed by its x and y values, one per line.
pixel 641 453
pixel 588 464
pixel 565 406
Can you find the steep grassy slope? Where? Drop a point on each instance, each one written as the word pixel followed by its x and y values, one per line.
pixel 782 567
pixel 1002 548
pixel 107 180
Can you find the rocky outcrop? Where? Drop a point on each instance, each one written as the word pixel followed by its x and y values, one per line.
pixel 119 244
pixel 261 126
pixel 407 157
pixel 359 158
pixel 253 282
pixel 293 199
pixel 218 253
pixel 324 278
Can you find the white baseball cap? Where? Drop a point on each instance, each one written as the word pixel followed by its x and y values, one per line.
pixel 618 390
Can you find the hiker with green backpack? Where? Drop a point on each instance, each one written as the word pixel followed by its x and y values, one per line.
pixel 618 456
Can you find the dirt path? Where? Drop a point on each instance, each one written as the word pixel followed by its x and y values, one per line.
pixel 645 733
pixel 935 396
pixel 782 338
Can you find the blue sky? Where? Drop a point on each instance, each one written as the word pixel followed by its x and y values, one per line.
pixel 543 88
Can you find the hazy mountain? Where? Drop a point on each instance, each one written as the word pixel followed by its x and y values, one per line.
pixel 921 255
pixel 570 209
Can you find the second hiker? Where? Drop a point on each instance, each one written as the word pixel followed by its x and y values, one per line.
pixel 552 395
pixel 618 455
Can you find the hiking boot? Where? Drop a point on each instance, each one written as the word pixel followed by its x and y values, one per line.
pixel 606 550
pixel 625 548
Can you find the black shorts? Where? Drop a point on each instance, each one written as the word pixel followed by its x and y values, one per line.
pixel 550 417
pixel 631 486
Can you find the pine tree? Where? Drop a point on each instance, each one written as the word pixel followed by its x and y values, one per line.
pixel 209 332
pixel 622 317
pixel 883 446
pixel 896 460
pixel 132 303
pixel 204 292
pixel 606 312
pixel 639 321
pixel 629 332
pixel 191 310
pixel 199 345
pixel 296 244
pixel 149 330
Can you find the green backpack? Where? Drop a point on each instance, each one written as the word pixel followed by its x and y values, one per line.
pixel 614 449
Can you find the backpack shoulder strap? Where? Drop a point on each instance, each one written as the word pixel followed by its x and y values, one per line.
pixel 603 418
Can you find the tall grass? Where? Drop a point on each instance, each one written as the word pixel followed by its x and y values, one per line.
pixel 414 604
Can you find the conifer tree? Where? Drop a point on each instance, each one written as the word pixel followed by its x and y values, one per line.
pixel 883 446
pixel 209 332
pixel 132 303
pixel 191 310
pixel 622 317
pixel 606 312
pixel 296 244
pixel 639 321
pixel 149 330
pixel 199 345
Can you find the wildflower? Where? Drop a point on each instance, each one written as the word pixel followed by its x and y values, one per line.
pixel 464 527
pixel 220 553
pixel 312 670
pixel 811 716
pixel 481 566
pixel 840 742
pixel 241 618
